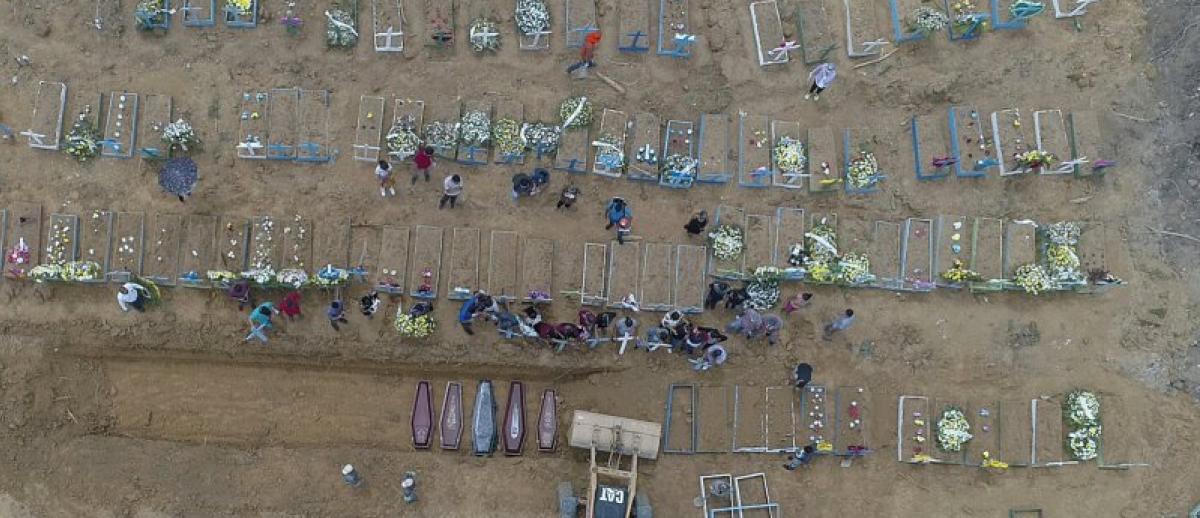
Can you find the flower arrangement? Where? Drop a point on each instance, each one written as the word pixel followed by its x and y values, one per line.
pixel 927 19
pixel 414 327
pixel 863 171
pixel 239 7
pixel 340 25
pixel 150 14
pixel 609 152
pixel 821 244
pixel 18 257
pixel 1033 159
pixel 294 277
pixel 484 35
pixel 61 235
pixel 854 269
pixel 796 255
pixel 1082 412
pixel 1063 263
pixel 967 18
pixel 679 163
pixel 180 134
pixel 538 295
pixel 575 112
pixel 46 272
pixel 83 140
pixel 264 245
pixel 727 242
pixel 441 135
pixel 953 430
pixel 330 276
pixel 1062 233
pixel 958 272
pixel 532 16
pixel 221 276
pixel 763 288
pixel 506 137
pixel 82 271
pixel 789 156
pixel 475 129
pixel 261 276
pixel 541 138
pixel 1033 279
pixel 402 140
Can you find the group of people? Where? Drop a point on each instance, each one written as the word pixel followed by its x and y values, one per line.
pixel 289 306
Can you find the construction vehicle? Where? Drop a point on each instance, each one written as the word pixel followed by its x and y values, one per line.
pixel 612 489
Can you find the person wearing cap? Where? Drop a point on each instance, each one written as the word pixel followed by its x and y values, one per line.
pixel 587 54
pixel 452 188
pixel 350 476
pixel 522 186
pixel 422 163
pixel 821 77
pixel 336 314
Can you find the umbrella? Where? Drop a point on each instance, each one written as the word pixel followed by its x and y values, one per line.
pixel 178 176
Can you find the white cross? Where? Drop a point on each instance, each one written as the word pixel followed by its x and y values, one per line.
pixel 780 53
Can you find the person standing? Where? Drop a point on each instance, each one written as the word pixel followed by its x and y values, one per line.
pixel 821 77
pixel 452 188
pixel 239 291
pixel 587 54
pixel 422 163
pixel 696 225
pixel 749 323
pixel 801 375
pixel 616 211
pixel 260 321
pixel 387 179
pixel 336 314
pixel 522 186
pixel 132 294
pixel 290 305
pixel 467 313
pixel 370 303
pixel 799 301
pixel 567 198
pixel 839 324
pixel 772 324
pixel 800 458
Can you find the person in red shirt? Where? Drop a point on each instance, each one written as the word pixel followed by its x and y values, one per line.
pixel 290 305
pixel 587 53
pixel 424 162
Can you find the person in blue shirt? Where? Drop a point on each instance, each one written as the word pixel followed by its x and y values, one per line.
pixel 467 313
pixel 616 211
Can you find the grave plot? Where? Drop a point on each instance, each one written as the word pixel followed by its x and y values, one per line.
pixel 533 20
pixel 815 423
pixel 592 286
pixel 914 440
pixel 537 270
pixel 368 129
pixel 885 255
pixel 713 152
pixel 107 10
pixel 789 156
pixel 903 27
pixel 387 24
pixel 1020 248
pixel 1088 145
pixel 1093 241
pixel 680 427
pixel 283 123
pixel 483 37
pixel 120 126
pixel 768 33
pixel 815 23
pixel 754 151
pixel 315 144
pixel 714 419
pixel 624 272
pixel 752 496
pixel 759 241
pixel 199 13
pixel 609 147
pixel 297 247
pixel 442 131
pixel 658 267
pixel 580 21
pixel 1051 136
pixel 690 280
pixel 46 126
pixel 571 155
pixel 506 131
pixel 265 241
pixel 863 152
pixel 633 26
pixel 129 232
pixel 932 149
pixel 331 244
pixel 235 16
pixel 464 263
pixel 1015 430
pixel 953 246
pixel 62 239
pixel 393 260
pixel 161 262
pixel 823 173
pixel 504 255
pixel 1010 14
pixel 779 419
pixel 645 133
pixel 790 226
pixel 195 249
pixel 987 254
pixel 475 132
pixel 821 242
pixel 675 36
pixel 1011 141
pixel 946 453
pixel 749 409
pixel 732 266
pixel 971 142
pixel 155 116
pixel 967 22
pixel 365 244
pixel 233 244
pixel 440 27
pixel 679 160
pixel 866 32
pixel 408 123
pixel 984 416
pixel 153 15
pixel 1071 8
pixel 852 411
pixel 426 264
pixel 95 239
pixel 252 141
pixel 1122 444
pixel 1049 433
pixel 916 255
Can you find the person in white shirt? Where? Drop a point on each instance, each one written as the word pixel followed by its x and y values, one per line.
pixel 821 77
pixel 452 188
pixel 132 294
pixel 387 179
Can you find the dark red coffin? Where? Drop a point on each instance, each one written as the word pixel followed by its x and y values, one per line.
pixel 548 422
pixel 452 416
pixel 514 419
pixel 422 417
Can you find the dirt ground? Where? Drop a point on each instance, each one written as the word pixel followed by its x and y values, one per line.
pixel 170 413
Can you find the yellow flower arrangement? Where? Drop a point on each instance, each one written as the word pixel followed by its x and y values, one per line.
pixel 242 6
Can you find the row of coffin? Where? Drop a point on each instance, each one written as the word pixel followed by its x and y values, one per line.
pixel 485 434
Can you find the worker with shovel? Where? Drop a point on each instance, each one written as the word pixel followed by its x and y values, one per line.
pixel 587 54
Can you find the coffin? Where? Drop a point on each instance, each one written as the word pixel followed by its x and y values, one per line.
pixel 452 416
pixel 422 417
pixel 548 422
pixel 483 427
pixel 514 419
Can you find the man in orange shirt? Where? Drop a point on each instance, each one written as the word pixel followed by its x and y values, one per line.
pixel 587 53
